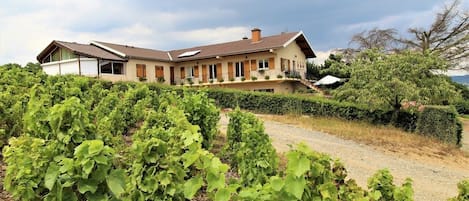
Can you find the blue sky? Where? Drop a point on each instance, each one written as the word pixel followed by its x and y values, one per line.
pixel 29 26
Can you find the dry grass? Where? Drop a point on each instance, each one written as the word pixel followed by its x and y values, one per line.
pixel 385 138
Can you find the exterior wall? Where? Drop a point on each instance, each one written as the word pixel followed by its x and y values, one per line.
pixel 71 66
pixel 293 53
pixel 272 73
pixel 51 68
pixel 279 86
pixel 131 70
pixel 89 67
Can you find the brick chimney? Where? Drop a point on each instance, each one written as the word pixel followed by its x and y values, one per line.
pixel 256 35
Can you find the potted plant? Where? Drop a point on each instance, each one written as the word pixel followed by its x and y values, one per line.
pixel 160 79
pixel 253 78
pixel 242 79
pixel 261 71
pixel 232 79
pixel 142 79
pixel 266 77
pixel 211 81
pixel 221 80
pixel 279 76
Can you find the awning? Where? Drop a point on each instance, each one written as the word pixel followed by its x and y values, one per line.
pixel 327 80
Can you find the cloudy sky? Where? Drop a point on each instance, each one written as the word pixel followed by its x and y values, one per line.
pixel 29 26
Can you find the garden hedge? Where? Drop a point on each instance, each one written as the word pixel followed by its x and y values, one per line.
pixel 444 126
pixel 440 122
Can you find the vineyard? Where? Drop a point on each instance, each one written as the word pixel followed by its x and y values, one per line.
pixel 78 138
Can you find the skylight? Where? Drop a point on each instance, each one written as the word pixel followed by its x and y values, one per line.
pixel 189 53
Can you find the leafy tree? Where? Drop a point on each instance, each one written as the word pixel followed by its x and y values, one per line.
pixel 313 71
pixel 336 66
pixel 388 80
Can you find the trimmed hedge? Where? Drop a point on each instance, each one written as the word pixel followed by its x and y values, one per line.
pixel 440 122
pixel 450 131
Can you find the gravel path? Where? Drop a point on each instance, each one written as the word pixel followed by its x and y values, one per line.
pixel 431 181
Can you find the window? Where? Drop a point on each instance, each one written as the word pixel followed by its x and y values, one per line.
pixel 212 70
pixel 190 72
pixel 141 70
pixel 111 67
pixel 265 90
pixel 263 64
pixel 285 64
pixel 239 69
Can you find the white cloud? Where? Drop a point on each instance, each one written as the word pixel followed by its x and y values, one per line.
pixel 24 34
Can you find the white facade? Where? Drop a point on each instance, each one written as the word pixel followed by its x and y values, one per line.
pixel 87 66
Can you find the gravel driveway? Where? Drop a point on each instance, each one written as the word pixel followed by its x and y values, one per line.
pixel 431 181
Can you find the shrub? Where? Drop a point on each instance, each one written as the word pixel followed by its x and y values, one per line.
pixel 279 76
pixel 250 148
pixel 462 107
pixel 254 78
pixel 242 79
pixel 160 79
pixel 232 79
pixel 440 122
pixel 463 188
pixel 266 77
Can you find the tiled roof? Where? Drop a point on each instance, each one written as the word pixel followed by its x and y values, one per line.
pixel 80 49
pixel 120 52
pixel 235 47
pixel 135 52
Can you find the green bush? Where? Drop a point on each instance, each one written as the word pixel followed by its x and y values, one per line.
pixel 249 148
pixel 462 107
pixel 463 188
pixel 440 122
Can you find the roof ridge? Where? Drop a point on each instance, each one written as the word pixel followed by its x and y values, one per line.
pixel 130 46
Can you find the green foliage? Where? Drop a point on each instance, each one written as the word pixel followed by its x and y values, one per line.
pixel 463 188
pixel 441 123
pixel 201 111
pixel 381 185
pixel 27 160
pixel 336 67
pixel 249 148
pixel 389 80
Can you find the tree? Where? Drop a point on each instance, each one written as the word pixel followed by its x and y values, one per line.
pixel 382 39
pixel 448 35
pixel 336 66
pixel 388 80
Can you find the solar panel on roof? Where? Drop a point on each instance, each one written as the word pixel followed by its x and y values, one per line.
pixel 189 53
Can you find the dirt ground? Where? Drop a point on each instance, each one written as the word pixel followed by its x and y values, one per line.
pixel 435 178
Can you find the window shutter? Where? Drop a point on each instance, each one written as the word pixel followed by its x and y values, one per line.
pixel 272 63
pixel 204 74
pixel 141 70
pixel 159 71
pixel 247 70
pixel 196 71
pixel 253 65
pixel 288 64
pixel 230 70
pixel 183 73
pixel 219 72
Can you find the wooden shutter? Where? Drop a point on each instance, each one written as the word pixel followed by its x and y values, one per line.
pixel 247 70
pixel 219 72
pixel 159 71
pixel 253 65
pixel 288 64
pixel 196 71
pixel 141 70
pixel 271 63
pixel 183 73
pixel 230 70
pixel 204 74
